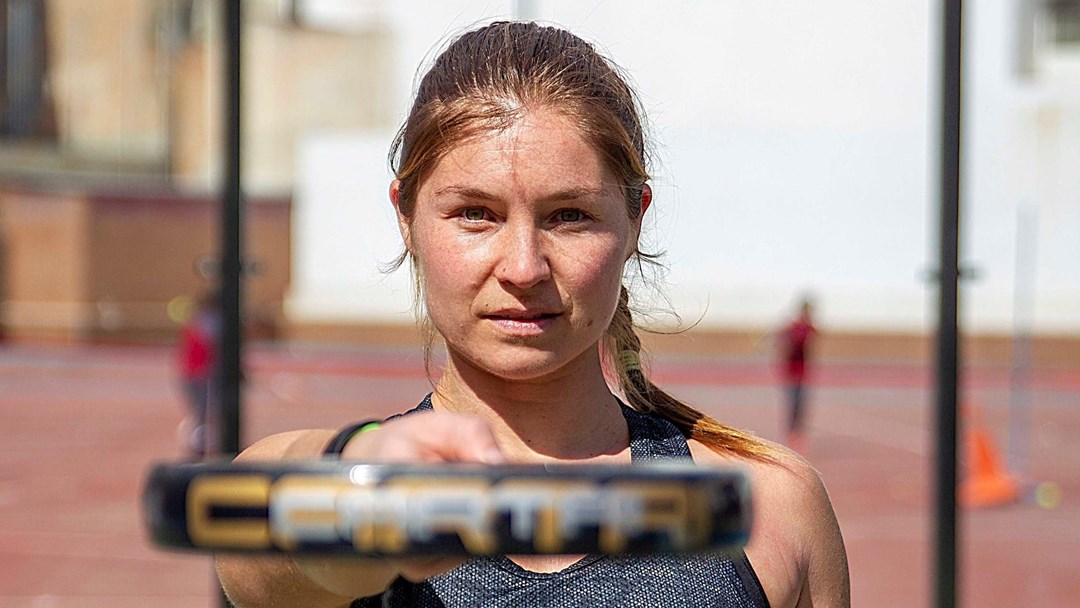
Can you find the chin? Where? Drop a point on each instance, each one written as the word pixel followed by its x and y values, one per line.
pixel 518 366
pixel 521 370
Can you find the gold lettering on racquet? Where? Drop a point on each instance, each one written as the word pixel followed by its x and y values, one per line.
pixel 231 491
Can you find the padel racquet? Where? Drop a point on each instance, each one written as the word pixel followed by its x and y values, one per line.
pixel 338 507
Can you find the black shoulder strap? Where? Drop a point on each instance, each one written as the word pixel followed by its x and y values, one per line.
pixel 653 438
pixel 749 579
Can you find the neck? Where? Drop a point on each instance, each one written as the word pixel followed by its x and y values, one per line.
pixel 568 415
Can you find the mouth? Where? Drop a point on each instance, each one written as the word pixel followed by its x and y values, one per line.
pixel 522 322
pixel 521 316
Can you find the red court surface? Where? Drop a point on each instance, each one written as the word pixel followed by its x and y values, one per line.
pixel 80 425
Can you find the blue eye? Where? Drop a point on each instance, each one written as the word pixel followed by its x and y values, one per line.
pixel 474 214
pixel 571 215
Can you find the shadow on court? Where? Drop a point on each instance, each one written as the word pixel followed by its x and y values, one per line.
pixel 79 426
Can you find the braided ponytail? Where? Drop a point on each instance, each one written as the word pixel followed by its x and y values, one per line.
pixel 624 348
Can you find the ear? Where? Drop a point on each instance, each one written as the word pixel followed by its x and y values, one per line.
pixel 402 221
pixel 646 200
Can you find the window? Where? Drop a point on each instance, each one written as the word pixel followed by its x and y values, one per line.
pixel 1062 21
pixel 26 110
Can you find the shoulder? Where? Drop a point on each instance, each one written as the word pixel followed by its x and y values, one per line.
pixel 305 444
pixel 788 492
pixel 796 547
pixel 290 445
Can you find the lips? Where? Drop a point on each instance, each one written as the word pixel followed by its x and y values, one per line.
pixel 520 315
pixel 522 322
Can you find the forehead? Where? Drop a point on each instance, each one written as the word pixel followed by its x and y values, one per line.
pixel 543 149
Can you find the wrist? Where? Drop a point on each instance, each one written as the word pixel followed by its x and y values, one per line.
pixel 336 446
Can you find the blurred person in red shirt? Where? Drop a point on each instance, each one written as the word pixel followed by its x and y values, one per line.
pixel 197 359
pixel 794 345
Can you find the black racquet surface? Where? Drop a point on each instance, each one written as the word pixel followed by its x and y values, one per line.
pixel 379 510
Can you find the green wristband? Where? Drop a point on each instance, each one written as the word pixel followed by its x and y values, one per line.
pixel 337 444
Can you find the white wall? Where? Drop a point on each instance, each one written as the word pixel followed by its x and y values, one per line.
pixel 1023 151
pixel 797 150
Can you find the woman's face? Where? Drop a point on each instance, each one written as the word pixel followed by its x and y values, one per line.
pixel 520 238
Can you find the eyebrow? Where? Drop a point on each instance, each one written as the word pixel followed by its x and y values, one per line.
pixel 566 194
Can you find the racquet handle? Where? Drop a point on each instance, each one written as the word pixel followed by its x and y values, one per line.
pixel 380 510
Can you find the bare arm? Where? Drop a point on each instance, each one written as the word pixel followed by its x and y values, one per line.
pixel 279 580
pixel 796 547
pixel 272 580
pixel 826 584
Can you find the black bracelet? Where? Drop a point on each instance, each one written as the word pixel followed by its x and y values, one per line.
pixel 337 444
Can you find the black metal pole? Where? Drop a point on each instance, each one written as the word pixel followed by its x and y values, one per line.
pixel 231 239
pixel 948 352
pixel 229 392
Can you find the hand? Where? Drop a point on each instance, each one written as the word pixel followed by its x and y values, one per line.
pixel 427 437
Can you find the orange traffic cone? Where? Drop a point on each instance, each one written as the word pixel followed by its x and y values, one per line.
pixel 986 482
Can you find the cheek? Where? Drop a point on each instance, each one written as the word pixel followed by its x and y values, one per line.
pixel 437 278
pixel 444 296
pixel 598 280
pixel 445 269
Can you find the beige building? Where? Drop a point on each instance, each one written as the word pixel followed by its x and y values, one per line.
pixel 111 147
pixel 133 88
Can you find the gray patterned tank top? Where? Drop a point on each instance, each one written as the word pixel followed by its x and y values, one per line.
pixel 667 581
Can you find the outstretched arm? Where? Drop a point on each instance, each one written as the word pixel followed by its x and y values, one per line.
pixel 282 580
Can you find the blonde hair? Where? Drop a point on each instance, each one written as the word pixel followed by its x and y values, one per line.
pixel 485 81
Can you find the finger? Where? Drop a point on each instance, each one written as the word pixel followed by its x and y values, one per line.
pixel 432 437
pixel 467 439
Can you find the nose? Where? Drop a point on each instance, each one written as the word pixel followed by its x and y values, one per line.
pixel 522 259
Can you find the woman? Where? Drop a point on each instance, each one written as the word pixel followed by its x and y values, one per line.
pixel 521 185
